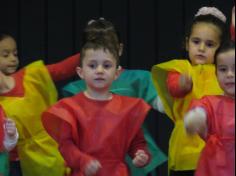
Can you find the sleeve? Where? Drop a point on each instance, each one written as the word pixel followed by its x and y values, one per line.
pixel 138 143
pixel 64 69
pixel 75 158
pixel 232 26
pixel 173 85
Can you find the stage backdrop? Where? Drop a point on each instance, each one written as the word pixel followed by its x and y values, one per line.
pixel 152 31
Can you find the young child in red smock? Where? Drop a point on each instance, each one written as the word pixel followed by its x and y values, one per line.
pixel 24 95
pixel 187 79
pixel 8 139
pixel 213 118
pixel 95 129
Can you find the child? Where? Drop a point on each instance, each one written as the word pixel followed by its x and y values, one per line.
pixel 184 80
pixel 24 95
pixel 213 118
pixel 8 140
pixel 133 83
pixel 97 127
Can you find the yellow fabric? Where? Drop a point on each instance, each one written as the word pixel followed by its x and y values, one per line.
pixel 184 150
pixel 38 152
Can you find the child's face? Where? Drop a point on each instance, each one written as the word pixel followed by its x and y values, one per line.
pixel 203 43
pixel 226 72
pixel 8 56
pixel 99 69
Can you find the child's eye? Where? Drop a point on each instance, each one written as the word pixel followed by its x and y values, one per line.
pixel 222 69
pixel 15 53
pixel 5 55
pixel 210 44
pixel 106 66
pixel 196 41
pixel 93 66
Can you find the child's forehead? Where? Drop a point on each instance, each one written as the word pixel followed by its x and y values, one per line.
pixel 98 53
pixel 209 28
pixel 7 43
pixel 227 57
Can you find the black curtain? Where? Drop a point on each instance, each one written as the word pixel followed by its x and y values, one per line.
pixel 152 31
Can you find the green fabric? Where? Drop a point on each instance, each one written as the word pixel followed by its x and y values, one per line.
pixel 4 164
pixel 133 83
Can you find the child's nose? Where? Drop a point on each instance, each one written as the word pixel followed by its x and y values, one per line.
pixel 100 69
pixel 202 47
pixel 13 58
pixel 230 73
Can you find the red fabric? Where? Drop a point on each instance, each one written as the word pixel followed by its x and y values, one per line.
pixel 64 69
pixel 2 116
pixel 232 31
pixel 173 85
pixel 18 90
pixel 102 130
pixel 218 156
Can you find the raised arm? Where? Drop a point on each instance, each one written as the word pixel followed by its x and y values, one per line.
pixel 178 85
pixel 65 69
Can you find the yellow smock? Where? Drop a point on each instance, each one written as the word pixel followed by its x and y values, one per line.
pixel 184 150
pixel 38 152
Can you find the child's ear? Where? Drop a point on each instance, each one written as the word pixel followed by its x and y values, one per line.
pixel 187 44
pixel 79 71
pixel 118 72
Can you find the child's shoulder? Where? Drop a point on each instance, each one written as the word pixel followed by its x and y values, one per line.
pixel 129 100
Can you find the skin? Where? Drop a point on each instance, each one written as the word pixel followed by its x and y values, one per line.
pixel 10 128
pixel 99 69
pixel 226 72
pixel 8 63
pixel 201 46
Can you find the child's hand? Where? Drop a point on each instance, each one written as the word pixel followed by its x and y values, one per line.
pixel 10 128
pixel 196 122
pixel 186 82
pixel 92 168
pixel 140 159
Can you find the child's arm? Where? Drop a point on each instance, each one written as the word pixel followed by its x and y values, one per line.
pixel 178 85
pixel 11 135
pixel 64 69
pixel 75 158
pixel 195 122
pixel 138 151
pixel 232 26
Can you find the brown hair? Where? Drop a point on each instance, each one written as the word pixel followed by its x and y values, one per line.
pixel 100 34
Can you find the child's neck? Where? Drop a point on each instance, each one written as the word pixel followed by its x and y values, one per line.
pixel 7 83
pixel 98 95
pixel 229 96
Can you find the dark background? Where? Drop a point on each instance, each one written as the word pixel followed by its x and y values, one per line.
pixel 152 31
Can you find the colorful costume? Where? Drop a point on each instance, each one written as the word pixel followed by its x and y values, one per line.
pixel 103 130
pixel 184 150
pixel 133 83
pixel 4 160
pixel 218 156
pixel 38 152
